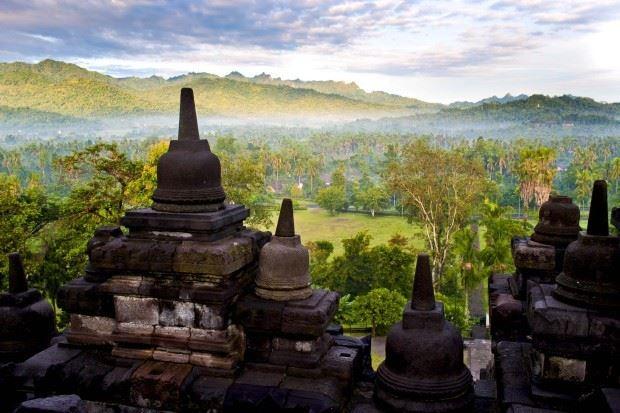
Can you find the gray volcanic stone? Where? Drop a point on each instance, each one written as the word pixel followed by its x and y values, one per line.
pixel 423 369
pixel 309 317
pixel 61 404
pixel 189 174
pixel 284 263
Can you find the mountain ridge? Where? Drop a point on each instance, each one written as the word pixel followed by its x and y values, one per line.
pixel 55 91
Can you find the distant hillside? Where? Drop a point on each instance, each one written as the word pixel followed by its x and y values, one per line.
pixel 493 99
pixel 54 93
pixel 535 116
pixel 67 89
pixel 539 109
pixel 350 90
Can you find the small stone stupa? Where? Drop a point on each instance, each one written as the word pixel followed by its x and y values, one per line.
pixel 189 174
pixel 573 350
pixel 591 276
pixel 540 257
pixel 27 320
pixel 284 263
pixel 423 370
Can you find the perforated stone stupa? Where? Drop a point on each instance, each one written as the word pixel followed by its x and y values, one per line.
pixel 567 355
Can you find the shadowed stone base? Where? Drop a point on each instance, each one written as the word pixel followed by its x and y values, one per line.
pixel 306 318
pixel 118 384
pixel 284 294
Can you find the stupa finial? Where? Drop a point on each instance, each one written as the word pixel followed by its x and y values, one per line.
pixel 286 222
pixel 598 216
pixel 188 122
pixel 423 295
pixel 17 276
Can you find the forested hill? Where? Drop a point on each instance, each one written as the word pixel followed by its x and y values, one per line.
pixel 54 94
pixel 533 116
pixel 350 90
pixel 66 89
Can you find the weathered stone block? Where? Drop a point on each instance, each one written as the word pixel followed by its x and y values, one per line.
pixel 214 361
pixel 532 255
pixel 59 404
pixel 122 284
pixel 310 316
pixel 176 313
pixel 550 317
pixel 341 362
pixel 91 330
pixel 299 353
pixel 264 375
pixel 136 310
pixel 38 367
pixel 161 256
pixel 560 368
pixel 133 353
pixel 171 355
pixel 133 333
pixel 327 386
pixel 221 257
pixel 83 297
pixel 158 384
pixel 209 317
pixel 208 393
pixel 176 337
pixel 224 341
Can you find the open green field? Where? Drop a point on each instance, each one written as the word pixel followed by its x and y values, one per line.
pixel 315 224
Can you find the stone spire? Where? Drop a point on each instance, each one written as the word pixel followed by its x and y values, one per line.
pixel 590 277
pixel 18 282
pixel 188 122
pixel 286 223
pixel 598 216
pixel 284 263
pixel 189 174
pixel 412 378
pixel 423 295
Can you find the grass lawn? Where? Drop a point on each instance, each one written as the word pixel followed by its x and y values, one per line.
pixel 315 224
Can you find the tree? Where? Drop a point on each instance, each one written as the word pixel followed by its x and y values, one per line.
pixel 380 307
pixel 372 198
pixel 362 268
pixel 535 169
pixel 439 187
pixel 103 177
pixel 243 179
pixel 614 172
pixel 25 211
pixel 332 198
pixel 496 256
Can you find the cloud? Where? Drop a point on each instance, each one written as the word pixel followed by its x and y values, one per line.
pixel 309 38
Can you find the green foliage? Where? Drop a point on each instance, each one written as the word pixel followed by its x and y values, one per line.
pixel 380 308
pixel 373 198
pixel 440 188
pixel 362 268
pixel 332 198
pixel 24 211
pixel 536 171
pixel 52 89
pixel 500 229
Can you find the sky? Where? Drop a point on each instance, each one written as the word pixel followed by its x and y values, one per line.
pixel 438 50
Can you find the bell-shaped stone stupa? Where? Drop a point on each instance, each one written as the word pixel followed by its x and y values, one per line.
pixel 28 321
pixel 590 277
pixel 423 370
pixel 189 174
pixel 284 263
